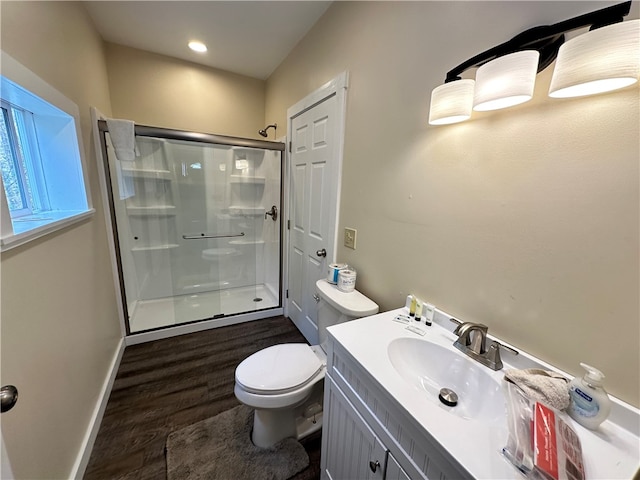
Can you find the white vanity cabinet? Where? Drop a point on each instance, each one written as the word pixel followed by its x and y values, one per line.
pixel 394 471
pixel 376 410
pixel 368 435
pixel 352 449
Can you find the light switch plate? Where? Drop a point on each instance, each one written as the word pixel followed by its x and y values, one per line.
pixel 350 237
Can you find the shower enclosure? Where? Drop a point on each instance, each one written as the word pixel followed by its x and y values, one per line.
pixel 197 226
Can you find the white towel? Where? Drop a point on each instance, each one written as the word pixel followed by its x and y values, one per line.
pixel 542 385
pixel 126 186
pixel 123 138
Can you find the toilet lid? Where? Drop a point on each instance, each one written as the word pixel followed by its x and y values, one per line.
pixel 351 303
pixel 278 368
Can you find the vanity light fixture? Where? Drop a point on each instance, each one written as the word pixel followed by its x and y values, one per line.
pixel 197 46
pixel 451 102
pixel 601 60
pixel 605 58
pixel 506 81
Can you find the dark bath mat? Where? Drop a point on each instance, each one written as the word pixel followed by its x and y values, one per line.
pixel 220 448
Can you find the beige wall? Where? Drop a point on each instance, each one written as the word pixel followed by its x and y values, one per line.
pixel 162 91
pixel 60 325
pixel 525 219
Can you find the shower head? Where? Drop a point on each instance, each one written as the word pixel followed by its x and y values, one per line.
pixel 263 132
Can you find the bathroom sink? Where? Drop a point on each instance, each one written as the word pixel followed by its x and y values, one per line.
pixel 429 367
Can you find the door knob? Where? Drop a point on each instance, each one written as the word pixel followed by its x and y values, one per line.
pixel 316 297
pixel 8 397
pixel 321 253
pixel 273 213
pixel 374 466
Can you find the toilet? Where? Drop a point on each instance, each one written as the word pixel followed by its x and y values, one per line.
pixel 284 383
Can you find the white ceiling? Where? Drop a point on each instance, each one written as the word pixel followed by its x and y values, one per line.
pixel 247 37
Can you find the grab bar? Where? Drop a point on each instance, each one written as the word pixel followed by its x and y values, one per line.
pixel 210 235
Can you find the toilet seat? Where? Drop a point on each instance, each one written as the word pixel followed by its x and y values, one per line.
pixel 279 369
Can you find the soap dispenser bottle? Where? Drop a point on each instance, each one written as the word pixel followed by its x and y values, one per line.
pixel 590 405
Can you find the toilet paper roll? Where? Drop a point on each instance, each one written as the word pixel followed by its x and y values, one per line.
pixel 332 274
pixel 347 280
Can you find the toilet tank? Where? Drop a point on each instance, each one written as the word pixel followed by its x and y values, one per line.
pixel 337 307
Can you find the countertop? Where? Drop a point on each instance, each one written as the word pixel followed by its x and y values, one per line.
pixel 610 452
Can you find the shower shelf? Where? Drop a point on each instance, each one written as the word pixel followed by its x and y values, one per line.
pixel 148 173
pixel 167 246
pixel 246 242
pixel 155 210
pixel 246 179
pixel 250 211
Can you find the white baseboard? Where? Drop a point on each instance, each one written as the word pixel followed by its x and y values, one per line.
pixel 96 419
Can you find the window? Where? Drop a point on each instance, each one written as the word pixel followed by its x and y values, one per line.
pixel 42 176
pixel 21 164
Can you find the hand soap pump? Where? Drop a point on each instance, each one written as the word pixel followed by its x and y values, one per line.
pixel 590 405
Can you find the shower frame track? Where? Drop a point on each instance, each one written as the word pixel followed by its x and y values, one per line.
pixel 171 134
pixel 132 338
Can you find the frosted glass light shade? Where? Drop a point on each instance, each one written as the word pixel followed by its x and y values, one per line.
pixel 506 81
pixel 598 61
pixel 451 102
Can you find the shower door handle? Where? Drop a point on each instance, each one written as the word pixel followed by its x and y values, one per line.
pixel 211 235
pixel 273 213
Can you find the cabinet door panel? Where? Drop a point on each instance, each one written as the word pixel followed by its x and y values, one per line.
pixel 350 448
pixel 395 471
pixel 413 448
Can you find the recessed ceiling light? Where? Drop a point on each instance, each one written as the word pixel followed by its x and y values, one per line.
pixel 198 47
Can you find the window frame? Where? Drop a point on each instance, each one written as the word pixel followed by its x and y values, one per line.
pixel 15 160
pixel 38 201
pixel 31 90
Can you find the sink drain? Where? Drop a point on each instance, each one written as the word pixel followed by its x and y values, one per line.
pixel 448 397
pixel 257 299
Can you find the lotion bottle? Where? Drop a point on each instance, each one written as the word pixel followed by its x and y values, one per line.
pixel 590 405
pixel 429 312
pixel 418 316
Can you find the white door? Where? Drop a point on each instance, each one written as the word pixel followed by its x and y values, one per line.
pixel 5 466
pixel 316 134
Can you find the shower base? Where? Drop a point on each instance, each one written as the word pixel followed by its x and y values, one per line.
pixel 170 311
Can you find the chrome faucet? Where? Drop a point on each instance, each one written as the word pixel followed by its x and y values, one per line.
pixel 472 339
pixel 467 341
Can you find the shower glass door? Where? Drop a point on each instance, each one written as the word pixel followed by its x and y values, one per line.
pixel 197 230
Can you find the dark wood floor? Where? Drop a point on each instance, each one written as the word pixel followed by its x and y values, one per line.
pixel 168 384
